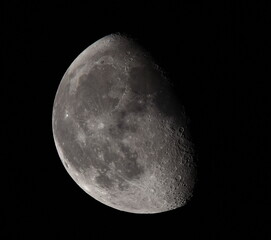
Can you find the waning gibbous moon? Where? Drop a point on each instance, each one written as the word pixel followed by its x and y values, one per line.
pixel 120 131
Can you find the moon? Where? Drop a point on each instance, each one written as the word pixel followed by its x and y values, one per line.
pixel 120 131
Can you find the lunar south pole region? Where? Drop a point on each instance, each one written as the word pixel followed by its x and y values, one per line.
pixel 120 132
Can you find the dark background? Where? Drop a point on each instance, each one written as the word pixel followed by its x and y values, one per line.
pixel 219 59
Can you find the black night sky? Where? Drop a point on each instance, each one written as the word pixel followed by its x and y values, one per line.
pixel 219 59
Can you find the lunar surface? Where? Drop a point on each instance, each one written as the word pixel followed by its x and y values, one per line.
pixel 120 131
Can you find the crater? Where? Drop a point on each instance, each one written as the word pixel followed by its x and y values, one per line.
pixel 66 164
pixel 105 60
